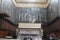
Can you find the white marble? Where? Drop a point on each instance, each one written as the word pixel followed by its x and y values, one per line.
pixel 29 34
pixel 29 31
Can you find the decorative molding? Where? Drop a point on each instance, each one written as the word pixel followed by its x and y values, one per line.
pixel 30 25
pixel 31 1
pixel 21 3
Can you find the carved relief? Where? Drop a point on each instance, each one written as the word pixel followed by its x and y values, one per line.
pixel 31 15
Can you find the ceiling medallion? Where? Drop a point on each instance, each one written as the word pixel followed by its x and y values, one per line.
pixel 31 3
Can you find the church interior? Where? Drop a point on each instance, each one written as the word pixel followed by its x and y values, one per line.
pixel 30 19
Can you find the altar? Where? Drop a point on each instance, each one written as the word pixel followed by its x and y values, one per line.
pixel 29 31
